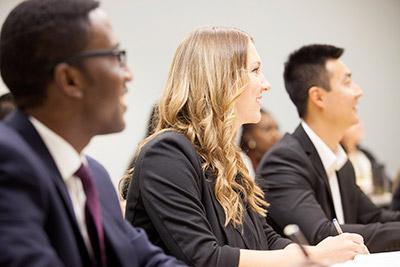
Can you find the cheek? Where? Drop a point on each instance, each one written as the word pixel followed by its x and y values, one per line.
pixel 243 101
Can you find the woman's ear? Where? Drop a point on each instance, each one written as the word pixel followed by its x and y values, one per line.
pixel 69 80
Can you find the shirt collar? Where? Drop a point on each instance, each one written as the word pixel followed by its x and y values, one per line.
pixel 67 159
pixel 331 161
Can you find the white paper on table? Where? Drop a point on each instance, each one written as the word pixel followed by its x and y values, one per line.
pixel 386 259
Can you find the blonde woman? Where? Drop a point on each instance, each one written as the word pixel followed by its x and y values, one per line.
pixel 190 189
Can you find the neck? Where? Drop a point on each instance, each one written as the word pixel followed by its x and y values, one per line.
pixel 63 124
pixel 350 147
pixel 330 134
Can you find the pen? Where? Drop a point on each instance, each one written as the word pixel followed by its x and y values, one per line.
pixel 293 232
pixel 337 226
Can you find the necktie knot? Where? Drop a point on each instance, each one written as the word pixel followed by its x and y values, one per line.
pixel 88 184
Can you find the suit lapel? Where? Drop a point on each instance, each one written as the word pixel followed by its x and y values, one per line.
pixel 312 153
pixel 115 236
pixel 344 179
pixel 20 122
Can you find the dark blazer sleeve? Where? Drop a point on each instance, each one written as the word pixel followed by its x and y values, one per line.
pixel 290 185
pixel 146 253
pixel 169 173
pixel 275 241
pixel 23 201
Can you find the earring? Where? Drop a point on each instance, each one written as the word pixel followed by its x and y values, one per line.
pixel 252 144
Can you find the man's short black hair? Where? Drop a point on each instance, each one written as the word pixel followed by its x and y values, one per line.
pixel 306 68
pixel 35 35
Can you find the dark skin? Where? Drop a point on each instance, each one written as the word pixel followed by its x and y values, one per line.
pixel 87 101
pixel 265 134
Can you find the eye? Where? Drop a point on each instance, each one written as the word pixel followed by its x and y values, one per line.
pixel 256 70
pixel 121 56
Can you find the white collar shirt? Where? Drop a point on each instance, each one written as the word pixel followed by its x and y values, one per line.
pixel 68 161
pixel 332 162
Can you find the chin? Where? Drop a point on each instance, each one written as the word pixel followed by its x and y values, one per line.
pixel 120 127
pixel 116 127
pixel 254 120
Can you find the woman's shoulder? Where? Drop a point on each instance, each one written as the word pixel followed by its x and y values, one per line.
pixel 169 138
pixel 172 145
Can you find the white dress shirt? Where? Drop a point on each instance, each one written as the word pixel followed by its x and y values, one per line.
pixel 68 162
pixel 333 162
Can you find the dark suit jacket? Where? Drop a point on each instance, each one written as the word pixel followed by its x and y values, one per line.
pixel 296 185
pixel 37 222
pixel 174 201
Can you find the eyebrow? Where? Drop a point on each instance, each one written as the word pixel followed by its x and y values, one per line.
pixel 116 46
pixel 255 63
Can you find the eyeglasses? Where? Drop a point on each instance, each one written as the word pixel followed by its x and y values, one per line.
pixel 116 52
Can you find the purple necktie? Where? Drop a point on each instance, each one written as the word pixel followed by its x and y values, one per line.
pixel 94 221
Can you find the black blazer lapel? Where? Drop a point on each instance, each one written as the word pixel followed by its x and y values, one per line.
pixel 314 157
pixel 20 122
pixel 346 180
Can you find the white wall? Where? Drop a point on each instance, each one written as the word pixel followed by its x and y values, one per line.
pixel 369 30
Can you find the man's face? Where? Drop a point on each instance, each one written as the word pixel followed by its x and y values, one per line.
pixel 105 80
pixel 341 101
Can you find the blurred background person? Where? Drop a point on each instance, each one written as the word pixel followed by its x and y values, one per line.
pixel 396 192
pixel 258 138
pixel 7 105
pixel 371 176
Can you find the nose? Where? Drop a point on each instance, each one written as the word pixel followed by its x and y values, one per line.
pixel 265 84
pixel 128 75
pixel 358 91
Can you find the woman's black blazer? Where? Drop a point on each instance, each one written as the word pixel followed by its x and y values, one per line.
pixel 173 200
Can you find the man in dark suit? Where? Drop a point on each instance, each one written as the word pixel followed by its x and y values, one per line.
pixel 307 177
pixel 61 61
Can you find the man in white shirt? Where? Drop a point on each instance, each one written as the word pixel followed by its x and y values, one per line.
pixel 62 62
pixel 307 177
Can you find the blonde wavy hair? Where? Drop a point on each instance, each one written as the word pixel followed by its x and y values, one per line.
pixel 207 75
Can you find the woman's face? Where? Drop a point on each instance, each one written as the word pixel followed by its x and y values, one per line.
pixel 249 103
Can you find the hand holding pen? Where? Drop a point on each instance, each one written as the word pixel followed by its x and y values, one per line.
pixel 340 231
pixel 337 226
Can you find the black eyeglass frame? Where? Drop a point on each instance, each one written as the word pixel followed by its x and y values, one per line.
pixel 120 54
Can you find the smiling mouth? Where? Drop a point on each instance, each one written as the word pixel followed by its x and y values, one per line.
pixel 122 102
